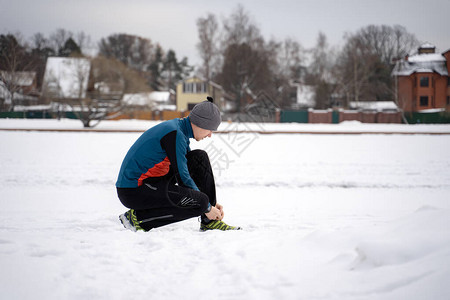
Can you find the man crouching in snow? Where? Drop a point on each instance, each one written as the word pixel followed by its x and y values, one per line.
pixel 162 181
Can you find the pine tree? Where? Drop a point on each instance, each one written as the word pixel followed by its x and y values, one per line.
pixel 173 70
pixel 70 48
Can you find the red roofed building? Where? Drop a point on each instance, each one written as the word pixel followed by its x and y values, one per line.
pixel 422 80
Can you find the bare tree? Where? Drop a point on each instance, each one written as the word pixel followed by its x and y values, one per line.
pixel 387 42
pixel 246 58
pixel 289 58
pixel 239 28
pixel 320 70
pixel 364 65
pixel 244 71
pixel 320 66
pixel 285 60
pixel 208 34
pixel 83 41
pixel 39 41
pixel 14 60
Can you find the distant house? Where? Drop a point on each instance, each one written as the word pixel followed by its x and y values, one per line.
pixel 24 82
pixel 66 78
pixel 18 86
pixel 195 90
pixel 422 80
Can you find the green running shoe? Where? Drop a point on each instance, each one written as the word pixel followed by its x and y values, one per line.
pixel 130 221
pixel 219 225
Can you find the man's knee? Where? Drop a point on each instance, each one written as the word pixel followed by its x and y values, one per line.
pixel 198 154
pixel 202 200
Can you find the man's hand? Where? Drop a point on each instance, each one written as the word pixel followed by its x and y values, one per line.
pixel 214 214
pixel 220 208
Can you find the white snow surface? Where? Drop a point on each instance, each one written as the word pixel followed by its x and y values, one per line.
pixel 323 217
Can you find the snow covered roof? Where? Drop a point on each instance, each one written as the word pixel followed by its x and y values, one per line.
pixel 19 78
pixel 147 99
pixel 426 57
pixel 67 77
pixel 160 96
pixel 420 63
pixel 427 46
pixel 373 105
pixel 138 99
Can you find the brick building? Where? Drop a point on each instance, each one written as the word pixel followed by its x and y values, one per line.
pixel 422 80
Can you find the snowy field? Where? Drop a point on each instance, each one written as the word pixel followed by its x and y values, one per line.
pixel 324 217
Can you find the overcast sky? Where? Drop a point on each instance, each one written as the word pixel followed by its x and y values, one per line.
pixel 173 23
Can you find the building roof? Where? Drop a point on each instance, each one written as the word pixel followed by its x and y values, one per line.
pixel 20 78
pixel 147 99
pixel 212 83
pixel 67 77
pixel 426 57
pixel 421 63
pixel 427 46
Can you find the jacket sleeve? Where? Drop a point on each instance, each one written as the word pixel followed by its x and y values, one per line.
pixel 176 148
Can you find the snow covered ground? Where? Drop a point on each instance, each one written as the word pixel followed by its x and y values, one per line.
pixel 324 217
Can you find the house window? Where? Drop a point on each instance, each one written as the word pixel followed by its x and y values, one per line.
pixel 188 87
pixel 194 87
pixel 200 87
pixel 448 81
pixel 448 100
pixel 423 100
pixel 424 81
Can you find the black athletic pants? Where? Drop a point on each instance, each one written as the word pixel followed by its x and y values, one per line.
pixel 160 201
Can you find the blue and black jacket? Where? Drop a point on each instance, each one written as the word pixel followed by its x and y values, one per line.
pixel 160 148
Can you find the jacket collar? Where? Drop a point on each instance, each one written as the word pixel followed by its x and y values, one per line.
pixel 186 127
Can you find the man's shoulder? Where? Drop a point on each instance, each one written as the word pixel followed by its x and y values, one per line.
pixel 163 127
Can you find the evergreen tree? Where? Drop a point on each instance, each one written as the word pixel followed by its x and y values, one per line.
pixel 70 48
pixel 173 70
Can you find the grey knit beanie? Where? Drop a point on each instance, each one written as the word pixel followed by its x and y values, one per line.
pixel 206 115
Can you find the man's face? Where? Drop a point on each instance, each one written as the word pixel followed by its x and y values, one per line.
pixel 200 133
